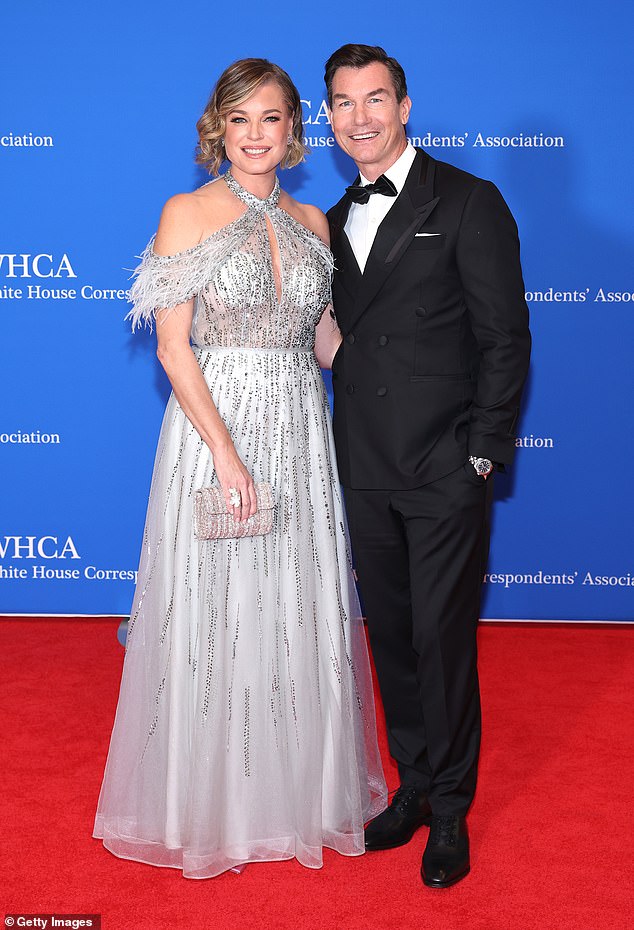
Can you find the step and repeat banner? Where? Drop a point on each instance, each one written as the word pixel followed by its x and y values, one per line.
pixel 97 130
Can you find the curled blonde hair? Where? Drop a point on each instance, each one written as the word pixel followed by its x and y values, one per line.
pixel 235 85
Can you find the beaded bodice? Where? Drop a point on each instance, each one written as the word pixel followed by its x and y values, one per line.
pixel 240 300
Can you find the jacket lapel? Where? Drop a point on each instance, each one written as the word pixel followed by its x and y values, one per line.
pixel 410 211
pixel 346 265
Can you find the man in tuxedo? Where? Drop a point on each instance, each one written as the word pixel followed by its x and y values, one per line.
pixel 429 297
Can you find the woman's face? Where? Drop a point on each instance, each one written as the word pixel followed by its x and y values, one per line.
pixel 257 131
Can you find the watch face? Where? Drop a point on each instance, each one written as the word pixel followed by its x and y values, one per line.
pixel 483 466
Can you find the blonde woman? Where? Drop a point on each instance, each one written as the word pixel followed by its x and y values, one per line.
pixel 245 726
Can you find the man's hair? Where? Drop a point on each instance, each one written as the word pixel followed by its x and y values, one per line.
pixel 358 56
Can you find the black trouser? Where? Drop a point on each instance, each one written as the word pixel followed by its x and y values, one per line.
pixel 420 556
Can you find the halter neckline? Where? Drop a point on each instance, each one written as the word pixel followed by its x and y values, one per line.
pixel 250 199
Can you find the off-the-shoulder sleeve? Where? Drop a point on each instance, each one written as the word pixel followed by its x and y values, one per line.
pixel 168 280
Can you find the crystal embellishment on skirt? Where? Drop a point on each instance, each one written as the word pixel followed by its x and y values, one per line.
pixel 212 520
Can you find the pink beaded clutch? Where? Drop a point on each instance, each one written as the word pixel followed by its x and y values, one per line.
pixel 212 520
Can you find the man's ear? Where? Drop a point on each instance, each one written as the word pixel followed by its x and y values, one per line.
pixel 405 107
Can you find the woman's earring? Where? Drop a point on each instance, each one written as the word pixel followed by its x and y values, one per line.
pixel 289 141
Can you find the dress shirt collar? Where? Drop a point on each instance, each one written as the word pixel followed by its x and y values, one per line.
pixel 397 173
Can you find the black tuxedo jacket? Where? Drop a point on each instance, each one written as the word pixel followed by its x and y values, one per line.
pixel 436 345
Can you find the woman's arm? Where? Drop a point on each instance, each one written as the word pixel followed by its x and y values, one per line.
pixel 327 338
pixel 179 230
pixel 327 335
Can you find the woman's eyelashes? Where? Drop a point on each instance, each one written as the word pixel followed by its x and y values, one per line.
pixel 267 119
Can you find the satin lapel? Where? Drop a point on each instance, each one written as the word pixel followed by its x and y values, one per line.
pixel 406 237
pixel 338 216
pixel 411 209
pixel 350 265
pixel 346 265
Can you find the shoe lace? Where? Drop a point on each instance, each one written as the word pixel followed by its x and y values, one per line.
pixel 403 797
pixel 443 831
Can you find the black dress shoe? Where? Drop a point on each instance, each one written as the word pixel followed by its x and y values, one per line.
pixel 396 826
pixel 446 856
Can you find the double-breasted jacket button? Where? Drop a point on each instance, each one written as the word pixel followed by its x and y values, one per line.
pixel 350 388
pixel 420 311
pixel 381 391
pixel 350 338
pixel 383 340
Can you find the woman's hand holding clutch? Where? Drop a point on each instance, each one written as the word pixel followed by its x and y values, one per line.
pixel 236 482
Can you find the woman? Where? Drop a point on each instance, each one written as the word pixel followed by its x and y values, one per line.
pixel 245 727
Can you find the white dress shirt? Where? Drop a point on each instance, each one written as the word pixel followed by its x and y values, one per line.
pixel 364 219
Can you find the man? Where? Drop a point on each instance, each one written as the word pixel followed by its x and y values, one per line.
pixel 429 297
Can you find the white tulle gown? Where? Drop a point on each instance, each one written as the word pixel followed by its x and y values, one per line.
pixel 245 725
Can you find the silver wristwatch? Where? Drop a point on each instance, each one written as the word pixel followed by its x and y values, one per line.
pixel 483 467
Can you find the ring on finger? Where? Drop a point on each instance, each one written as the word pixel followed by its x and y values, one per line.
pixel 235 498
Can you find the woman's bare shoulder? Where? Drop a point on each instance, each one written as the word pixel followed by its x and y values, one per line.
pixel 180 226
pixel 308 215
pixel 188 219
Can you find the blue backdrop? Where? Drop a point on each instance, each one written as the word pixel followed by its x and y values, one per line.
pixel 97 129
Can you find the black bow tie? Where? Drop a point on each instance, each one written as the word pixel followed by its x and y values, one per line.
pixel 361 193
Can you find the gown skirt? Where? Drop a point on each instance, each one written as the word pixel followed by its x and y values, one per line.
pixel 245 728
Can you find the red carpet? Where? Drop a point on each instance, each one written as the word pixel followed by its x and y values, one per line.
pixel 550 828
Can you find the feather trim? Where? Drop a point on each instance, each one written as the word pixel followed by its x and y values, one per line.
pixel 164 281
